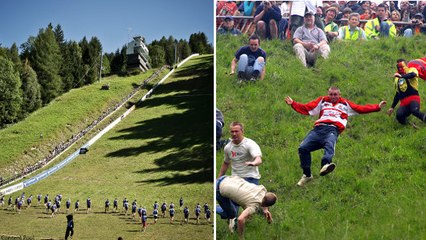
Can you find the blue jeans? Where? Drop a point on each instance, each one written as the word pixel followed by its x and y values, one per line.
pixel 384 29
pixel 322 136
pixel 228 209
pixel 247 65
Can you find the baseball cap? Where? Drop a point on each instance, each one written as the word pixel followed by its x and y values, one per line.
pixel 418 15
pixel 229 18
pixel 309 13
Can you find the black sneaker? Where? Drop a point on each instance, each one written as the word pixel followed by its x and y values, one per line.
pixel 327 168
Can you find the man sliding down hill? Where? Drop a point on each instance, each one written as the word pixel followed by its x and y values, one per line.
pixel 406 86
pixel 333 112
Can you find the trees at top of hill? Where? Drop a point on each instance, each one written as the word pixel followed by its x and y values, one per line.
pixel 91 55
pixel 45 59
pixel 199 44
pixel 10 92
pixel 30 90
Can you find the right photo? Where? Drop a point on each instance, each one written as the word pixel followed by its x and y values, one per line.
pixel 319 122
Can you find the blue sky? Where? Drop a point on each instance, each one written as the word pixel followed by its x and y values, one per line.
pixel 111 21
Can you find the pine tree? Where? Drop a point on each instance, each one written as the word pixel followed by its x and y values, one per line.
pixel 10 92
pixel 30 91
pixel 45 59
pixel 158 56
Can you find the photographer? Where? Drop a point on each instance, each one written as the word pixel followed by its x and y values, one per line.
pixel 267 18
pixel 416 27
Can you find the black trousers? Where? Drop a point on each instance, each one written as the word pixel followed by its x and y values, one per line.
pixel 405 111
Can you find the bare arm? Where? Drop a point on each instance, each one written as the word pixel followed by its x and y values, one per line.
pixel 244 216
pixel 223 169
pixel 262 74
pixel 257 161
pixel 233 65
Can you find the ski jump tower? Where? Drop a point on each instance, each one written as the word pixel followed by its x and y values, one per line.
pixel 137 54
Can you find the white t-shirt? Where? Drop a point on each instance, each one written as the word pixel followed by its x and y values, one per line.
pixel 237 155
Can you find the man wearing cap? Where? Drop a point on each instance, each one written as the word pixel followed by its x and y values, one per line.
pixel 253 198
pixel 417 26
pixel 380 26
pixel 228 27
pixel 310 41
pixel 331 28
pixel 267 18
pixel 251 60
pixel 299 8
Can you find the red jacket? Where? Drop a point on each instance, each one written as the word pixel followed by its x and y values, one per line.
pixel 334 114
pixel 420 65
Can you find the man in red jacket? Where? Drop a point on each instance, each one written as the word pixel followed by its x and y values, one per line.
pixel 333 112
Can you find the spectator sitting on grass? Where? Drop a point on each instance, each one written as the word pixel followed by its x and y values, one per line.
pixel 416 27
pixel 228 27
pixel 267 18
pixel 310 41
pixel 251 60
pixel 380 26
pixel 331 28
pixel 352 31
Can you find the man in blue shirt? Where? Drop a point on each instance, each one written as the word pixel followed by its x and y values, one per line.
pixel 115 205
pixel 227 27
pixel 70 227
pixel 106 205
pixel 68 204
pixel 251 60
pixel 89 204
pixel 186 213
pixel 267 17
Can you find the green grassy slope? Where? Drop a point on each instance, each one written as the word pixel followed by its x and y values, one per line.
pixel 376 191
pixel 57 122
pixel 161 151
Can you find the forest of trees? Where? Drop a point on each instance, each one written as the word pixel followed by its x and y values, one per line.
pixel 47 66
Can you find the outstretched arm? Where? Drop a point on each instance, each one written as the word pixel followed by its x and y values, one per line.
pixel 244 216
pixel 288 100
pixel 267 214
pixel 233 65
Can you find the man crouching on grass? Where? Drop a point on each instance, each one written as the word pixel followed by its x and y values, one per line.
pixel 252 198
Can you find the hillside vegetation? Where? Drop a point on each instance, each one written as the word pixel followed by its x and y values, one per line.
pixel 377 188
pixel 160 152
pixel 32 139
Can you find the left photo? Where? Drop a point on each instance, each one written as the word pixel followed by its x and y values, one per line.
pixel 107 120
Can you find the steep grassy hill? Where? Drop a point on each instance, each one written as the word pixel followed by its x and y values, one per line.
pixel 32 139
pixel 377 188
pixel 162 151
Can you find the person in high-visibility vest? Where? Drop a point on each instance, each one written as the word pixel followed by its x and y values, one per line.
pixel 380 26
pixel 352 32
pixel 331 28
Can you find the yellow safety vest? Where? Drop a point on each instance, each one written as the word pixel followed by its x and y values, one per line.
pixel 354 36
pixel 370 28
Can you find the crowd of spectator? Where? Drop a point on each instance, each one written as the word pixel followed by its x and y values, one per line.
pixel 280 19
pixel 75 137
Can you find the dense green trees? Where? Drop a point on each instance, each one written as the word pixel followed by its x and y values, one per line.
pixel 48 66
pixel 10 96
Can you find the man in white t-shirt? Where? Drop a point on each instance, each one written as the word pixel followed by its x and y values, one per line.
pixel 252 198
pixel 243 154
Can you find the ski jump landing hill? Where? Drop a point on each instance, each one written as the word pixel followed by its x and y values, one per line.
pixel 71 157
